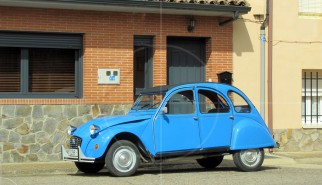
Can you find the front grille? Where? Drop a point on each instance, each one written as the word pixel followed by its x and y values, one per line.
pixel 74 142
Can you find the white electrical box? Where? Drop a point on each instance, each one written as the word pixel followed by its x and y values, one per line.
pixel 109 76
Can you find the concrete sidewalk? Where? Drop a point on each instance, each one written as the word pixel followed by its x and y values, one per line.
pixel 279 159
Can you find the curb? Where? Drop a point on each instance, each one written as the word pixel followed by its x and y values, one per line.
pixel 14 169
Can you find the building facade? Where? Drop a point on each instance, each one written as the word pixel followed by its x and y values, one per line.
pixel 65 63
pixel 296 69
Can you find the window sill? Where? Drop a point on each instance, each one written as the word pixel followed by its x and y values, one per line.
pixel 39 96
pixel 312 126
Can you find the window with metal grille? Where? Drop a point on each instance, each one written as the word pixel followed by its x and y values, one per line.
pixel 310 7
pixel 312 98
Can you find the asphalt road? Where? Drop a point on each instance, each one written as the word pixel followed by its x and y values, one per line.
pixel 273 172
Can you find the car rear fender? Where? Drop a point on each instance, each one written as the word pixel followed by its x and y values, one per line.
pixel 248 133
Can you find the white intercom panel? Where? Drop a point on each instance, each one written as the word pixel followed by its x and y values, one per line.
pixel 109 76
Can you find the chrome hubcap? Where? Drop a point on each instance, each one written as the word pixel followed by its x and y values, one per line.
pixel 250 157
pixel 124 159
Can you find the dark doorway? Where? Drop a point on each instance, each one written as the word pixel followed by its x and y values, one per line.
pixel 143 63
pixel 186 60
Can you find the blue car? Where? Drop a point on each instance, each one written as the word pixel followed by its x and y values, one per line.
pixel 204 121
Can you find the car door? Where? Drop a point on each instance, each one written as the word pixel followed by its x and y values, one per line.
pixel 215 119
pixel 177 130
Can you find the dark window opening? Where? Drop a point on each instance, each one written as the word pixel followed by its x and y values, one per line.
pixel 143 63
pixel 51 70
pixel 10 69
pixel 39 73
pixel 41 65
pixel 140 58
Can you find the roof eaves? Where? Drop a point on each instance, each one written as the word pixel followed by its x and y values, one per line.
pixel 178 7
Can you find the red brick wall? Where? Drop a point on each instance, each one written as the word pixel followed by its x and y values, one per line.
pixel 108 43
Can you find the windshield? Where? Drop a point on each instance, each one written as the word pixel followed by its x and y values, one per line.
pixel 147 101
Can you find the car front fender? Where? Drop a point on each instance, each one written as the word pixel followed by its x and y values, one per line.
pixel 98 145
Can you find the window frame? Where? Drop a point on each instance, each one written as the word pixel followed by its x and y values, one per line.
pixel 24 79
pixel 144 42
pixel 166 102
pixel 241 106
pixel 307 10
pixel 315 120
pixel 220 97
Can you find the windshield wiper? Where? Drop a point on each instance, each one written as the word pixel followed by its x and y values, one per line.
pixel 149 106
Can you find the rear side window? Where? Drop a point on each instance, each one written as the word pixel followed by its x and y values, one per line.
pixel 240 104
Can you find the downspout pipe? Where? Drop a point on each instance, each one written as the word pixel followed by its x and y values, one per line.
pixel 270 67
pixel 263 63
pixel 268 21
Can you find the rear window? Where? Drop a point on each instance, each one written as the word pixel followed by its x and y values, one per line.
pixel 240 104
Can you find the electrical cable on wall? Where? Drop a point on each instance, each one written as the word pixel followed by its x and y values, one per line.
pixel 296 42
pixel 276 42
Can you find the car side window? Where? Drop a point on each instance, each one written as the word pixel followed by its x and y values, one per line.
pixel 240 104
pixel 181 103
pixel 211 102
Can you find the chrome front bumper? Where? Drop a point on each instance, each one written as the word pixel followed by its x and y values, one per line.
pixel 77 156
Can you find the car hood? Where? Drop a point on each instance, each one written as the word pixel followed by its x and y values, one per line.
pixel 109 121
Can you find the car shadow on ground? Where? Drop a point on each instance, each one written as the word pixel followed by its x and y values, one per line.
pixel 176 167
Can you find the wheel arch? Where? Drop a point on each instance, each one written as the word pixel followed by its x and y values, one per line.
pixel 135 140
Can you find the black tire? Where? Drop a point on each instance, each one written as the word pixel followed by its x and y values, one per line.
pixel 89 167
pixel 249 160
pixel 210 162
pixel 122 158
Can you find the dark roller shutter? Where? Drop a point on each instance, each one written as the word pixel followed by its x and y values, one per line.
pixel 9 69
pixel 51 70
pixel 40 40
pixel 143 41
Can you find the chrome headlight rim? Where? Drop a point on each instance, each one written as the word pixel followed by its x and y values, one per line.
pixel 94 130
pixel 71 129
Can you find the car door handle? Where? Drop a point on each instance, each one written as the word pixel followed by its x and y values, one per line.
pixel 231 117
pixel 195 118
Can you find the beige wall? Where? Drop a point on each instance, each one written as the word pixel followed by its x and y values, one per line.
pixel 292 53
pixel 246 53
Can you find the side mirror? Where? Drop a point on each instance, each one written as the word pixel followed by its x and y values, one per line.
pixel 165 110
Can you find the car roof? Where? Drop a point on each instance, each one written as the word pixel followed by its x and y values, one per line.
pixel 165 88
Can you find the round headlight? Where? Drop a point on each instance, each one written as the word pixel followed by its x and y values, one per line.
pixel 94 129
pixel 71 129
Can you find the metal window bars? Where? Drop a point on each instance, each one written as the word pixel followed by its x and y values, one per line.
pixel 312 98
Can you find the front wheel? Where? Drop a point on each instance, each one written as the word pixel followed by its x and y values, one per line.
pixel 249 160
pixel 89 167
pixel 122 158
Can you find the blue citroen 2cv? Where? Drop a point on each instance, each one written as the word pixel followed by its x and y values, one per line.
pixel 203 120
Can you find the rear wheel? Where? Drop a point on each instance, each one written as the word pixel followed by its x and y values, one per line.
pixel 249 160
pixel 89 167
pixel 210 162
pixel 122 158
